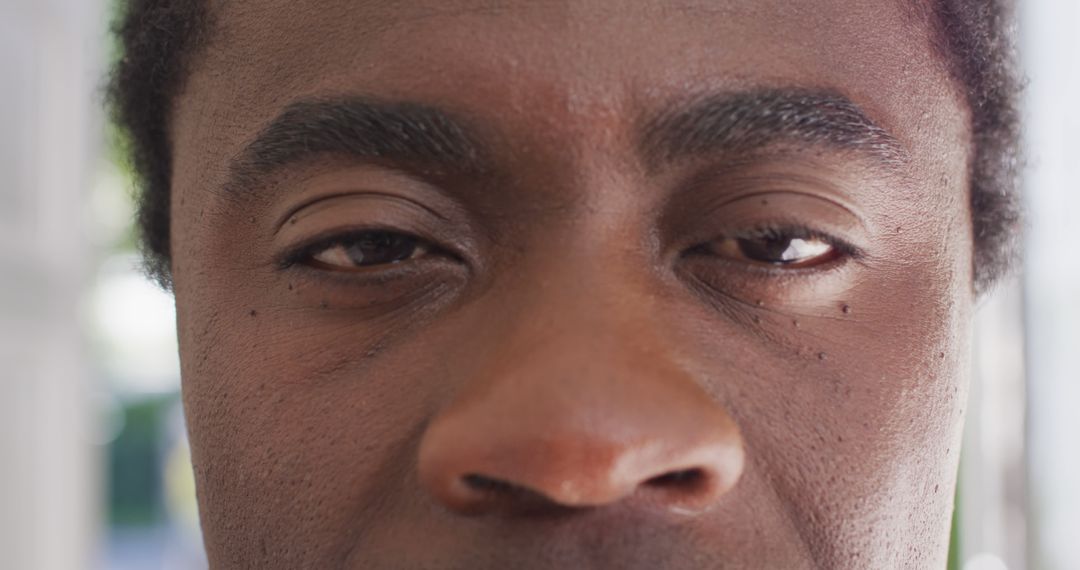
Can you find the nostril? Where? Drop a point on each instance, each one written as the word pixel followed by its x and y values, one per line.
pixel 686 478
pixel 487 494
pixel 486 484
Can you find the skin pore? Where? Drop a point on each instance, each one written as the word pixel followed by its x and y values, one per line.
pixel 468 284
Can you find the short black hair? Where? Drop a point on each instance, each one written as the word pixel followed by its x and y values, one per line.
pixel 160 38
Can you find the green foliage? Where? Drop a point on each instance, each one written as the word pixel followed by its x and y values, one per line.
pixel 954 534
pixel 135 479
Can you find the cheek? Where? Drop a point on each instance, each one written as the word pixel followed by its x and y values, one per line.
pixel 295 434
pixel 855 413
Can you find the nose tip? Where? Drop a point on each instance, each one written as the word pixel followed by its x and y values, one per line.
pixel 685 472
pixel 598 405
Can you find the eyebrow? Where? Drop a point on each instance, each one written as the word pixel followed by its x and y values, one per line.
pixel 398 133
pixel 405 133
pixel 748 121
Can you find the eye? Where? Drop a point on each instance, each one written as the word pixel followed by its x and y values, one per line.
pixel 366 249
pixel 787 249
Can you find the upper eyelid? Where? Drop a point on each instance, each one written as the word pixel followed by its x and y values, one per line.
pixel 769 189
pixel 400 200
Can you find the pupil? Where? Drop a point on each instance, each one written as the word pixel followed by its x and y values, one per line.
pixel 766 250
pixel 379 248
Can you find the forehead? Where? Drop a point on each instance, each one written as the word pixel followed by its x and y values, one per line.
pixel 577 65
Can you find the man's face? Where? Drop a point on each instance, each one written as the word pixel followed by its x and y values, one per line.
pixel 574 284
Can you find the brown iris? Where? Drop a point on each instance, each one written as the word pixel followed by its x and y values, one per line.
pixel 370 249
pixel 779 250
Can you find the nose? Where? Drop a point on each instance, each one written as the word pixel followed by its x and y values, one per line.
pixel 583 415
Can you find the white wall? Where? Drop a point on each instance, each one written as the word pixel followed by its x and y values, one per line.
pixel 1050 42
pixel 49 72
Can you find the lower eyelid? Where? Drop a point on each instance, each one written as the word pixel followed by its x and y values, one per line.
pixel 372 276
pixel 372 295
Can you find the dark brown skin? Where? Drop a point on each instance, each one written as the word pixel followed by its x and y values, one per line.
pixel 618 396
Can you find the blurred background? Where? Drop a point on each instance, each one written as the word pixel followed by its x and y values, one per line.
pixel 94 468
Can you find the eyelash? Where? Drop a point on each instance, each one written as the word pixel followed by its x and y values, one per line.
pixel 302 253
pixel 796 231
pixel 845 250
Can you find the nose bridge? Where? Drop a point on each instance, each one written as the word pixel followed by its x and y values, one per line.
pixel 580 398
pixel 584 344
